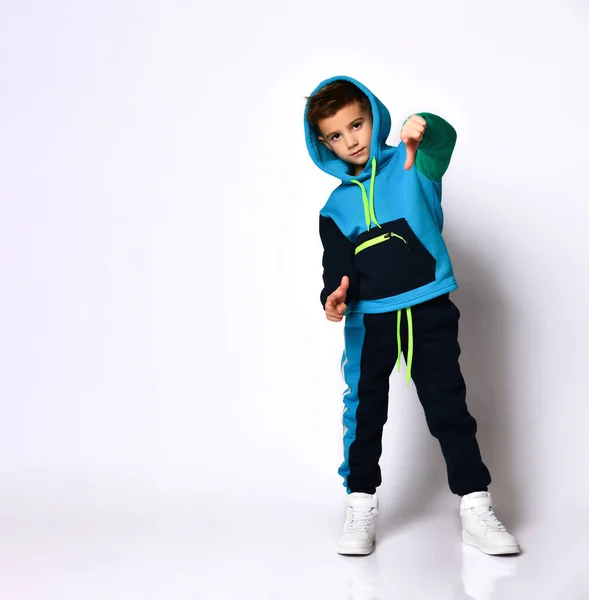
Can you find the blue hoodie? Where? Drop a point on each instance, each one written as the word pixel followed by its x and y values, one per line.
pixel 383 227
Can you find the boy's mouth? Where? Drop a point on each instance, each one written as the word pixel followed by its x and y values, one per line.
pixel 358 152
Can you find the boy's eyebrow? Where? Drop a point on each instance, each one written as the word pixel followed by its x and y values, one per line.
pixel 350 123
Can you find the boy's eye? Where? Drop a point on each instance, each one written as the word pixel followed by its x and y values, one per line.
pixel 356 125
pixel 334 137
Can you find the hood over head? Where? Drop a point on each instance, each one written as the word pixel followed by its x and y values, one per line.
pixel 329 162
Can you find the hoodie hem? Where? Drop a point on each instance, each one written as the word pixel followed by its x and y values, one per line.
pixel 392 304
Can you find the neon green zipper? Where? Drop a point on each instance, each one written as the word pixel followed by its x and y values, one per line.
pixel 379 240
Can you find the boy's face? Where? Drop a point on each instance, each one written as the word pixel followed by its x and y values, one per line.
pixel 348 134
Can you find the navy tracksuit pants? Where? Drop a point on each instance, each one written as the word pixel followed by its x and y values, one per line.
pixel 369 357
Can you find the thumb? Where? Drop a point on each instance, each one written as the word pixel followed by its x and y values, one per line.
pixel 342 290
pixel 411 148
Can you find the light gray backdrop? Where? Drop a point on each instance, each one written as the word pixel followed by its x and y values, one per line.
pixel 162 345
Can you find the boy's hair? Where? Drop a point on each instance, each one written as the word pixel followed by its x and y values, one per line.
pixel 332 98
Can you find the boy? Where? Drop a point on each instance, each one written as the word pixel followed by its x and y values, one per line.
pixel 387 270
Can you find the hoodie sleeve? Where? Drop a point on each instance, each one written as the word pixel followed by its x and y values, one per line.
pixel 435 150
pixel 338 260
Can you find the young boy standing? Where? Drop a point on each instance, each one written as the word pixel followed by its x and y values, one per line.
pixel 387 270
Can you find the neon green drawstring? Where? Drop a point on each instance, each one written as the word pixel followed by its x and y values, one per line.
pixel 369 213
pixel 410 341
pixel 399 339
pixel 370 217
pixel 372 180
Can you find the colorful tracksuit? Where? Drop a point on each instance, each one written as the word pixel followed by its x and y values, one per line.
pixel 383 229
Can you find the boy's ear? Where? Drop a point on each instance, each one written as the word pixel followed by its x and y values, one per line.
pixel 324 142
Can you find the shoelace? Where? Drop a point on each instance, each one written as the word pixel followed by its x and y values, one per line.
pixel 361 520
pixel 487 517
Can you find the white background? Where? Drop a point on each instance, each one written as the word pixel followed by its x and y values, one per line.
pixel 166 368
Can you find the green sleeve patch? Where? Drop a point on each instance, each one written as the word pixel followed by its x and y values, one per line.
pixel 435 150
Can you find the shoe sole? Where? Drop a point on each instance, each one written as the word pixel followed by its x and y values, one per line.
pixel 468 539
pixel 355 551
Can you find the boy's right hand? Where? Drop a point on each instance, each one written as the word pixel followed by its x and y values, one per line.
pixel 335 306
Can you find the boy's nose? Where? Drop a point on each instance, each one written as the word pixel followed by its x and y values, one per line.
pixel 352 141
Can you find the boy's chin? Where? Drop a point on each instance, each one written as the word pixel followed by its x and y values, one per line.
pixel 357 164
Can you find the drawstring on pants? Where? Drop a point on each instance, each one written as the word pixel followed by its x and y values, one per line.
pixel 410 341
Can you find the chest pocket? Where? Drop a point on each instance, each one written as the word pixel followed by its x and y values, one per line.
pixel 391 260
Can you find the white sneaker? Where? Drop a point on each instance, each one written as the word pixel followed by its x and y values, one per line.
pixel 359 532
pixel 482 529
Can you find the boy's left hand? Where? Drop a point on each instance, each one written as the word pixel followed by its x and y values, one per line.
pixel 411 135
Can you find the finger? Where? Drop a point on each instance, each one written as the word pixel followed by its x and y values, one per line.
pixel 340 295
pixel 416 129
pixel 337 310
pixel 332 299
pixel 343 288
pixel 417 119
pixel 410 157
pixel 411 136
pixel 336 296
pixel 334 318
pixel 415 132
